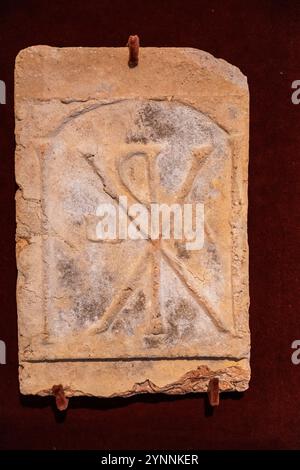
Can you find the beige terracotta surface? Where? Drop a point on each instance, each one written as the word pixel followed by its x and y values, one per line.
pixel 108 318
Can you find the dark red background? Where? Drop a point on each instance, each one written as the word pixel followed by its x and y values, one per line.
pixel 263 39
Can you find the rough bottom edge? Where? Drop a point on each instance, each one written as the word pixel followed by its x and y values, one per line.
pixel 124 380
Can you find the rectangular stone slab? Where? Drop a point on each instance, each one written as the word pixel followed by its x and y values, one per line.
pixel 119 317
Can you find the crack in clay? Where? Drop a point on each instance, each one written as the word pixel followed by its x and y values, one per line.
pixel 137 359
pixel 89 158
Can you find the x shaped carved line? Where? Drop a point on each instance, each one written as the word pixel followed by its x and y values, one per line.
pixel 157 249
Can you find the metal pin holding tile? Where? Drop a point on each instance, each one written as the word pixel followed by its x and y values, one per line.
pixel 61 400
pixel 133 46
pixel 213 391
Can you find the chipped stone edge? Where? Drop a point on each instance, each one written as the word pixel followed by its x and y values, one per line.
pixel 196 380
pixel 233 378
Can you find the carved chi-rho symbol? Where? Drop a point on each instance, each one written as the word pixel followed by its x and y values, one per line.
pixel 157 248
